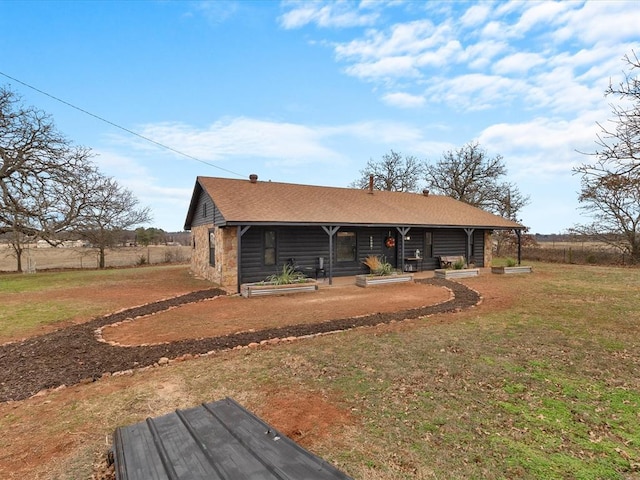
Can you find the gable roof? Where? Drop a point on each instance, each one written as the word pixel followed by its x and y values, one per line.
pixel 247 202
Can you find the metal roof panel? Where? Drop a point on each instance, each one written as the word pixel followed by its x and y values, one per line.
pixel 218 440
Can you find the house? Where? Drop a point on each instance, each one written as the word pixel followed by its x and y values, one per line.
pixel 245 230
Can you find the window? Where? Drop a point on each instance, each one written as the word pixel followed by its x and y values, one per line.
pixel 212 247
pixel 428 245
pixel 346 246
pixel 204 210
pixel 269 255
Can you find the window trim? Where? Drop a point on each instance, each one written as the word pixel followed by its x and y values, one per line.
pixel 212 247
pixel 343 233
pixel 264 247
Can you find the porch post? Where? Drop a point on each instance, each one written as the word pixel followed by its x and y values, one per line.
pixel 469 232
pixel 241 231
pixel 403 232
pixel 331 231
pixel 519 235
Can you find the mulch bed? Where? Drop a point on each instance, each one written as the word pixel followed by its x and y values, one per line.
pixel 74 355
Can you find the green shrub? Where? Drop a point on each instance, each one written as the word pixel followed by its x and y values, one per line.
pixel 459 264
pixel 287 276
pixel 511 262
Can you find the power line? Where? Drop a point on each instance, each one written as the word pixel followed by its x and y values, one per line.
pixel 166 147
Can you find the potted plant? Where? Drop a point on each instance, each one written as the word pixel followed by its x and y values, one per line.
pixel 458 269
pixel 381 273
pixel 289 280
pixel 511 267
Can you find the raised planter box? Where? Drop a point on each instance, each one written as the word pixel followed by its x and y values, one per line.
pixel 371 280
pixel 262 289
pixel 508 270
pixel 453 273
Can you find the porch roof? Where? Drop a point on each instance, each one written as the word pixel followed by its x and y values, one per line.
pixel 246 202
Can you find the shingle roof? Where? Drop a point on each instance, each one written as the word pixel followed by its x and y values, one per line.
pixel 214 441
pixel 243 201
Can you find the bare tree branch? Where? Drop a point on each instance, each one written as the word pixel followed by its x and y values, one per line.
pixel 392 173
pixel 610 186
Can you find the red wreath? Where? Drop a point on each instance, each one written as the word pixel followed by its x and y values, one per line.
pixel 390 242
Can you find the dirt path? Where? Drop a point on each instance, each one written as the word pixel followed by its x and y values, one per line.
pixel 73 354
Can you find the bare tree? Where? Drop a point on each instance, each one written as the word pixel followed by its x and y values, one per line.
pixel 40 172
pixel 619 146
pixel 468 174
pixel 610 187
pixel 110 210
pixel 510 202
pixel 392 173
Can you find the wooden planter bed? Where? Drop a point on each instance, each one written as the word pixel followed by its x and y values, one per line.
pixel 453 273
pixel 262 289
pixel 509 270
pixel 371 280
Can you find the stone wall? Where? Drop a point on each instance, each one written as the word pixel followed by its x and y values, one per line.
pixel 225 271
pixel 488 248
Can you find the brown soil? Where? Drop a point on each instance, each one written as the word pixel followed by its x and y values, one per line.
pixel 73 354
pixel 220 315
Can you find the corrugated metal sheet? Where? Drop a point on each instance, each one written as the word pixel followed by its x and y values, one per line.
pixel 219 440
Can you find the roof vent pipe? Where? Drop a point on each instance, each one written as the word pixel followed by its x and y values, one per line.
pixel 425 192
pixel 370 183
pixel 253 178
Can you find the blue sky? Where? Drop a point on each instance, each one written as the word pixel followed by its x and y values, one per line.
pixel 308 92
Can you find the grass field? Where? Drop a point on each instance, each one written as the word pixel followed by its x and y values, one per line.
pixel 538 381
pixel 37 259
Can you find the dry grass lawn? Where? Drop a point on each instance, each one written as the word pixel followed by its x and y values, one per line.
pixel 538 381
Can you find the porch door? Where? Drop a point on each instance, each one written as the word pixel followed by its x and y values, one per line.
pixel 390 248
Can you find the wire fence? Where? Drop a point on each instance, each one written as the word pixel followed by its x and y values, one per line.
pixel 576 254
pixel 37 259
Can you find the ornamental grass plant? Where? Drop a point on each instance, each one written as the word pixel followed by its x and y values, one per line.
pixel 377 266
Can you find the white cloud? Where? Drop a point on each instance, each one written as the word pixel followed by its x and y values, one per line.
pixel 216 12
pixel 245 137
pixel 327 15
pixel 476 91
pixel 114 164
pixel 607 23
pixel 480 56
pixel 566 42
pixel 385 68
pixel 518 63
pixel 545 14
pixel 403 100
pixel 542 147
pixel 401 39
pixel 475 15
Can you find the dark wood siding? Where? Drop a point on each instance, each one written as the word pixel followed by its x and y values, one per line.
pixel 305 244
pixel 206 205
pixel 478 248
pixel 453 241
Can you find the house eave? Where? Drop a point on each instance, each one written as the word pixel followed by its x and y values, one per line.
pixel 362 225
